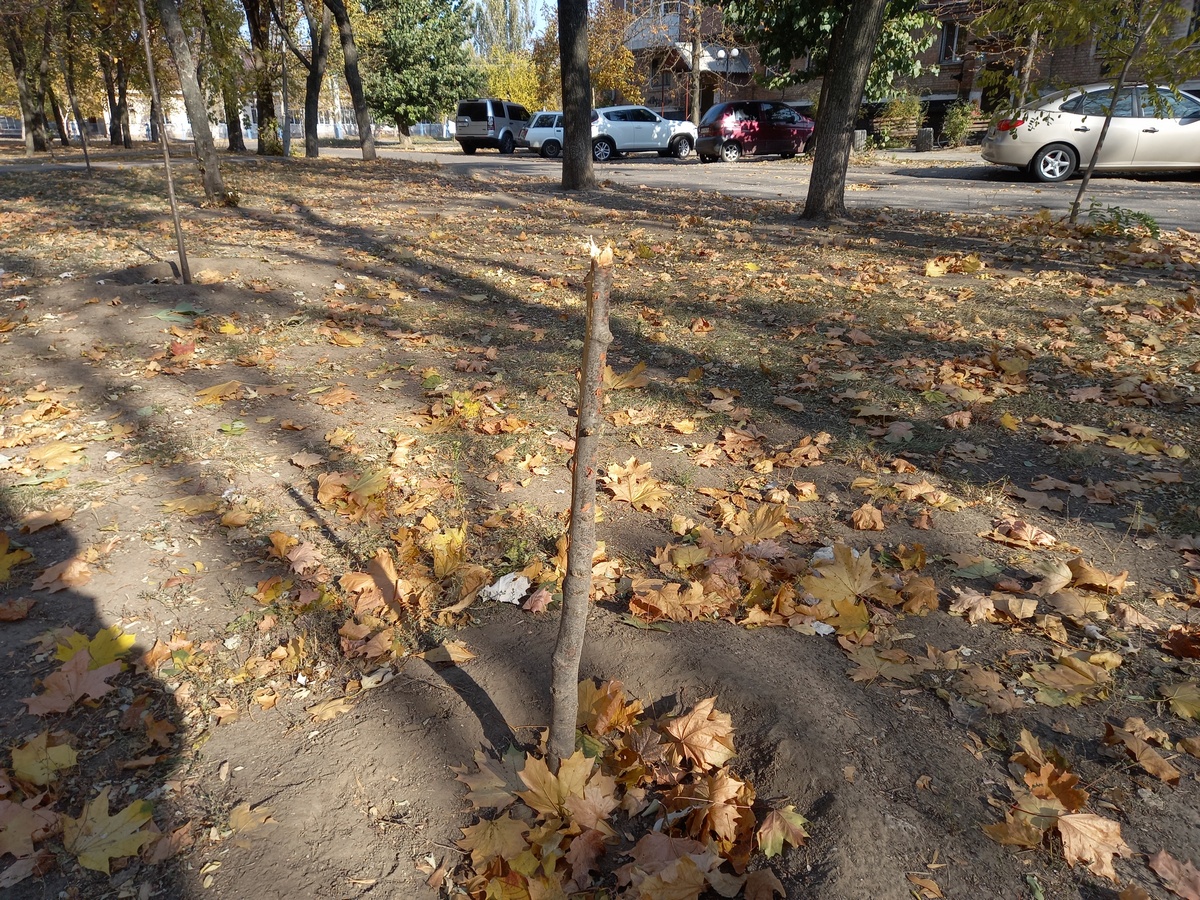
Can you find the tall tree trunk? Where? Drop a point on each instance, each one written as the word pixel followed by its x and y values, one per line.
pixel 848 76
pixel 59 121
pixel 155 116
pixel 10 31
pixel 366 136
pixel 123 104
pixel 697 50
pixel 43 82
pixel 312 85
pixel 110 87
pixel 258 19
pixel 233 117
pixel 68 72
pixel 577 172
pixel 193 101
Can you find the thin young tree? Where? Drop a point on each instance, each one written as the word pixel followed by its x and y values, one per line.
pixel 317 22
pixel 194 103
pixel 581 533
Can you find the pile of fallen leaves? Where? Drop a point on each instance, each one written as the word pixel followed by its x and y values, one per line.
pixel 34 788
pixel 547 834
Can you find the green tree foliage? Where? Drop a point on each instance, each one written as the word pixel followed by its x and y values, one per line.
pixel 806 29
pixel 417 60
pixel 501 27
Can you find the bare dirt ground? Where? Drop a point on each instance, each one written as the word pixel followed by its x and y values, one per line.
pixel 280 488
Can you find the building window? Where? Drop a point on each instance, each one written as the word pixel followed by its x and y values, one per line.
pixel 953 37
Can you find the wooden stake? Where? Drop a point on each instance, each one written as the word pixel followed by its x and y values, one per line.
pixel 162 140
pixel 581 533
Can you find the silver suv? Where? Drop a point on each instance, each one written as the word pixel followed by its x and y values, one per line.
pixel 489 123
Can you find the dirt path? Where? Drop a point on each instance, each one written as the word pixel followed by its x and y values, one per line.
pixel 277 480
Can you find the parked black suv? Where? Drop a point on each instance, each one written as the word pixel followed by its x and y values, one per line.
pixel 489 123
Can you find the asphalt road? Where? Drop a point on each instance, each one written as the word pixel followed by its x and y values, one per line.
pixel 947 180
pixel 944 180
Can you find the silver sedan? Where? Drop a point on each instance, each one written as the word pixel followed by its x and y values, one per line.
pixel 1153 128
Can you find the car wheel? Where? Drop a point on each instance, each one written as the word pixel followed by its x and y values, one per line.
pixel 705 158
pixel 469 148
pixel 603 149
pixel 682 148
pixel 1054 162
pixel 731 151
pixel 551 149
pixel 507 144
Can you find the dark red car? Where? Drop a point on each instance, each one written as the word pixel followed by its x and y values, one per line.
pixel 739 128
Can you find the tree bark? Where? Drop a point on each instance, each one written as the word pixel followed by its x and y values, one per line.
pixel 847 76
pixel 155 116
pixel 581 533
pixel 366 136
pixel 1027 66
pixel 697 50
pixel 68 72
pixel 312 85
pixel 233 118
pixel 59 121
pixel 314 65
pixel 258 20
pixel 193 101
pixel 1144 28
pixel 110 87
pixel 43 84
pixel 123 104
pixel 20 63
pixel 577 171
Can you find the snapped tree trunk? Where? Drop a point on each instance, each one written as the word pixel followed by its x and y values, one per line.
pixel 193 101
pixel 110 87
pixel 839 108
pixel 581 533
pixel 362 114
pixel 577 171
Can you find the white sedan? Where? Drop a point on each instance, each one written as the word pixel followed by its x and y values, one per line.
pixel 1152 129
pixel 634 129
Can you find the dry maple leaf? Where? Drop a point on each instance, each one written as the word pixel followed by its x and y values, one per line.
pixel 849 576
pixel 703 735
pixel 780 828
pixel 1184 698
pixel 867 518
pixel 495 783
pixel 1181 878
pixel 975 606
pixel 36 521
pixel 15 610
pixel 1088 576
pixel 502 837
pixel 38 763
pixel 763 884
pixel 548 791
pixel 10 558
pixel 631 379
pixel 1145 755
pixel 1092 839
pixel 96 838
pixel 70 683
